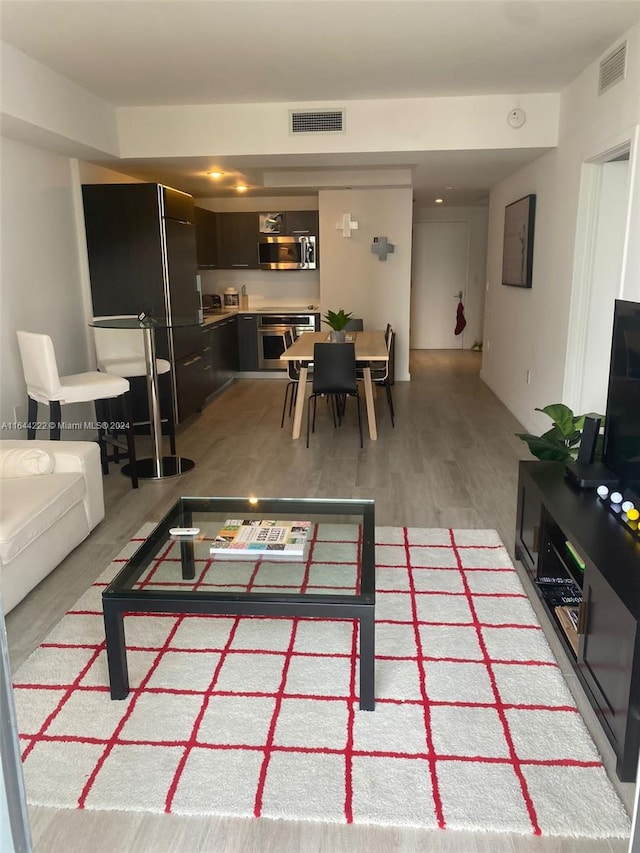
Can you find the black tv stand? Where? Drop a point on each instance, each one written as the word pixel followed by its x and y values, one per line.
pixel 567 534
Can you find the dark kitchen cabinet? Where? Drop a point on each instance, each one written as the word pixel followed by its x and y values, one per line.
pixel 238 241
pixel 301 222
pixel 220 350
pixel 207 238
pixel 191 384
pixel 572 545
pixel 208 346
pixel 247 342
pixel 292 222
pixel 229 349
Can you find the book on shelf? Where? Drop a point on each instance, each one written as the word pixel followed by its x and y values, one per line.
pixel 253 537
pixel 568 618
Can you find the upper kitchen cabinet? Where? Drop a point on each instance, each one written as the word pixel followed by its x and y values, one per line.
pixel 238 241
pixel 301 222
pixel 207 238
pixel 290 223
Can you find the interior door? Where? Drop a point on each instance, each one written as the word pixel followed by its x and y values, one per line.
pixel 440 270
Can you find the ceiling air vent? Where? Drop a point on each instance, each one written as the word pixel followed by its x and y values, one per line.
pixel 317 121
pixel 612 68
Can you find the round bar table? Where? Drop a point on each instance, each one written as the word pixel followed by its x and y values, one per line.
pixel 157 467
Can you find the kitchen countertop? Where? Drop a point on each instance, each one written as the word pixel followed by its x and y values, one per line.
pixel 224 313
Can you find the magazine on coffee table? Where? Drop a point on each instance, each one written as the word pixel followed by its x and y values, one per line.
pixel 253 537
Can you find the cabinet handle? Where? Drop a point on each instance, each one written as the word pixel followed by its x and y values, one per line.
pixel 239 265
pixel 582 617
pixel 192 361
pixel 302 231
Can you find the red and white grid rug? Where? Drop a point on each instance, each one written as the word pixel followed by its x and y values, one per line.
pixel 474 726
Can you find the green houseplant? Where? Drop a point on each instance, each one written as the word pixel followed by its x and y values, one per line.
pixel 337 320
pixel 561 442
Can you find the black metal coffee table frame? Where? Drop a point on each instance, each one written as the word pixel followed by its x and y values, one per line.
pixel 119 597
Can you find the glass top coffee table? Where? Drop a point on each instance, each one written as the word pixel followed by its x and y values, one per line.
pixel 333 579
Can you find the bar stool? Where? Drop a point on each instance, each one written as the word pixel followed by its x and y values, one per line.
pixel 46 386
pixel 120 352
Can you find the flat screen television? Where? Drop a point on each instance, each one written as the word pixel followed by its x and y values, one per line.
pixel 621 449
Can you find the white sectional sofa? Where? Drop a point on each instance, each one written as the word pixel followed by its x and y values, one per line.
pixel 50 499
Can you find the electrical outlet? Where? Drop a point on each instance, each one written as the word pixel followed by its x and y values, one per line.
pixel 487 346
pixel 528 377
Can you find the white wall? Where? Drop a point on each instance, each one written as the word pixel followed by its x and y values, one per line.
pixel 47 109
pixel 352 277
pixel 40 287
pixel 409 124
pixel 477 218
pixel 529 329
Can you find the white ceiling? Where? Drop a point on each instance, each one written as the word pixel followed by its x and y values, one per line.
pixel 144 52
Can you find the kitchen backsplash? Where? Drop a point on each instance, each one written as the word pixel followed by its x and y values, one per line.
pixel 291 286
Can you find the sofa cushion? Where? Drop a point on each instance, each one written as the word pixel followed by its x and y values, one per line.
pixel 25 462
pixel 29 507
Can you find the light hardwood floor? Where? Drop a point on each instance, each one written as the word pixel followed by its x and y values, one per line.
pixel 451 461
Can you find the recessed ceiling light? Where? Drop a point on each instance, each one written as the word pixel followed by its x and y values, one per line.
pixel 215 174
pixel 241 188
pixel 439 200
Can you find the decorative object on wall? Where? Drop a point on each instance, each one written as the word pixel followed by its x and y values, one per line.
pixel 347 225
pixel 517 249
pixel 381 247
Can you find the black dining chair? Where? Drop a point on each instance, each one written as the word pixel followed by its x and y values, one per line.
pixel 293 373
pixel 334 376
pixel 381 372
pixel 355 324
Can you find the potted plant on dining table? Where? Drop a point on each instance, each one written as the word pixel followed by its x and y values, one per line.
pixel 337 321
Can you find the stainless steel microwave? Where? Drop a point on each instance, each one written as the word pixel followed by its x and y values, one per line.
pixel 287 253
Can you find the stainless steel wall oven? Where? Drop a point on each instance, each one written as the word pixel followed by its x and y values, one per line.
pixel 272 329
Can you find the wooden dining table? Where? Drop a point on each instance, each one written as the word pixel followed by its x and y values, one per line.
pixel 370 346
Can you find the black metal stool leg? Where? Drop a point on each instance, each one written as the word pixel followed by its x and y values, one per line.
pixel 55 420
pixel 131 440
pixel 32 417
pixel 100 418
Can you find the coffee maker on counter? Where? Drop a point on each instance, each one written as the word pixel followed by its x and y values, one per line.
pixel 231 298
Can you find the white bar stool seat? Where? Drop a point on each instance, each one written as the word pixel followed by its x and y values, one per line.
pixel 46 386
pixel 129 366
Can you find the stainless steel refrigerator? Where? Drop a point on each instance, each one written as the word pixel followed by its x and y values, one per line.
pixel 142 258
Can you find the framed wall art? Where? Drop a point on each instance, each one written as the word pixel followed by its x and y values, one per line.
pixel 517 249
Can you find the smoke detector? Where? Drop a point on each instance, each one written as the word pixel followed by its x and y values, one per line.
pixel 516 118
